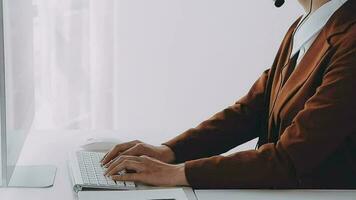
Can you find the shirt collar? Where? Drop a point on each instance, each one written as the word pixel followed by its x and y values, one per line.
pixel 315 23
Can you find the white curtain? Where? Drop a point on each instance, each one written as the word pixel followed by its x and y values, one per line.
pixel 74 64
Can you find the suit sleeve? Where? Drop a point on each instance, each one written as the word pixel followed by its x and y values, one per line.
pixel 326 121
pixel 232 126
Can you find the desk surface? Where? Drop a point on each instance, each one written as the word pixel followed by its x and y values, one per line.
pixel 52 147
pixel 276 194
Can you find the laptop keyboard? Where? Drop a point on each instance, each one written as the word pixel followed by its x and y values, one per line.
pixel 93 173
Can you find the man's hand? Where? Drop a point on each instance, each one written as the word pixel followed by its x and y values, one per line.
pixel 148 171
pixel 138 148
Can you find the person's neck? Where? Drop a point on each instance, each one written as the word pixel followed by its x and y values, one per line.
pixel 316 4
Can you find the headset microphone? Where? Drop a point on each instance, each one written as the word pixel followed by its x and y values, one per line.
pixel 278 3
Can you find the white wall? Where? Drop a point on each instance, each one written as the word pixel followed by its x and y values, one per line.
pixel 182 61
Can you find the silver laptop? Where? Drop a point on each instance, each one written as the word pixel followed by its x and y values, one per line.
pixel 87 173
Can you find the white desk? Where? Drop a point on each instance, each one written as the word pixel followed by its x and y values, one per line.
pixel 53 147
pixel 47 148
pixel 275 194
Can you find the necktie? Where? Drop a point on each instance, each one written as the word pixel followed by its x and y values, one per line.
pixel 288 70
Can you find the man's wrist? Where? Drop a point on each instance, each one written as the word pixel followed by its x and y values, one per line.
pixel 181 179
pixel 168 154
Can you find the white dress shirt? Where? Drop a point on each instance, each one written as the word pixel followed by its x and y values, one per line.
pixel 311 27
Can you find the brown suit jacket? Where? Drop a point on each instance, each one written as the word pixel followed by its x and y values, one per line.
pixel 306 129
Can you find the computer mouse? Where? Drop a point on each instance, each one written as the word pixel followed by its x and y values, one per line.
pixel 98 144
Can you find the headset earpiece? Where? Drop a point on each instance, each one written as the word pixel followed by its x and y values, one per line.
pixel 278 3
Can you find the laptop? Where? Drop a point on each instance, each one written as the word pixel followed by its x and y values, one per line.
pixel 87 173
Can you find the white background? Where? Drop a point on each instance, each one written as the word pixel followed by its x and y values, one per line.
pixel 141 67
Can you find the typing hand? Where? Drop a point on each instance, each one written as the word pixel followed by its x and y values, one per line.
pixel 138 148
pixel 147 170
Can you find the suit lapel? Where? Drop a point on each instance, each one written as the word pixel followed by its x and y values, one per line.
pixel 302 72
pixel 282 62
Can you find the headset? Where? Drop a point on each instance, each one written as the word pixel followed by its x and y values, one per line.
pixel 278 3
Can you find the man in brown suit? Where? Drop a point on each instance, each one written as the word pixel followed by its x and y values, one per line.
pixel 302 109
